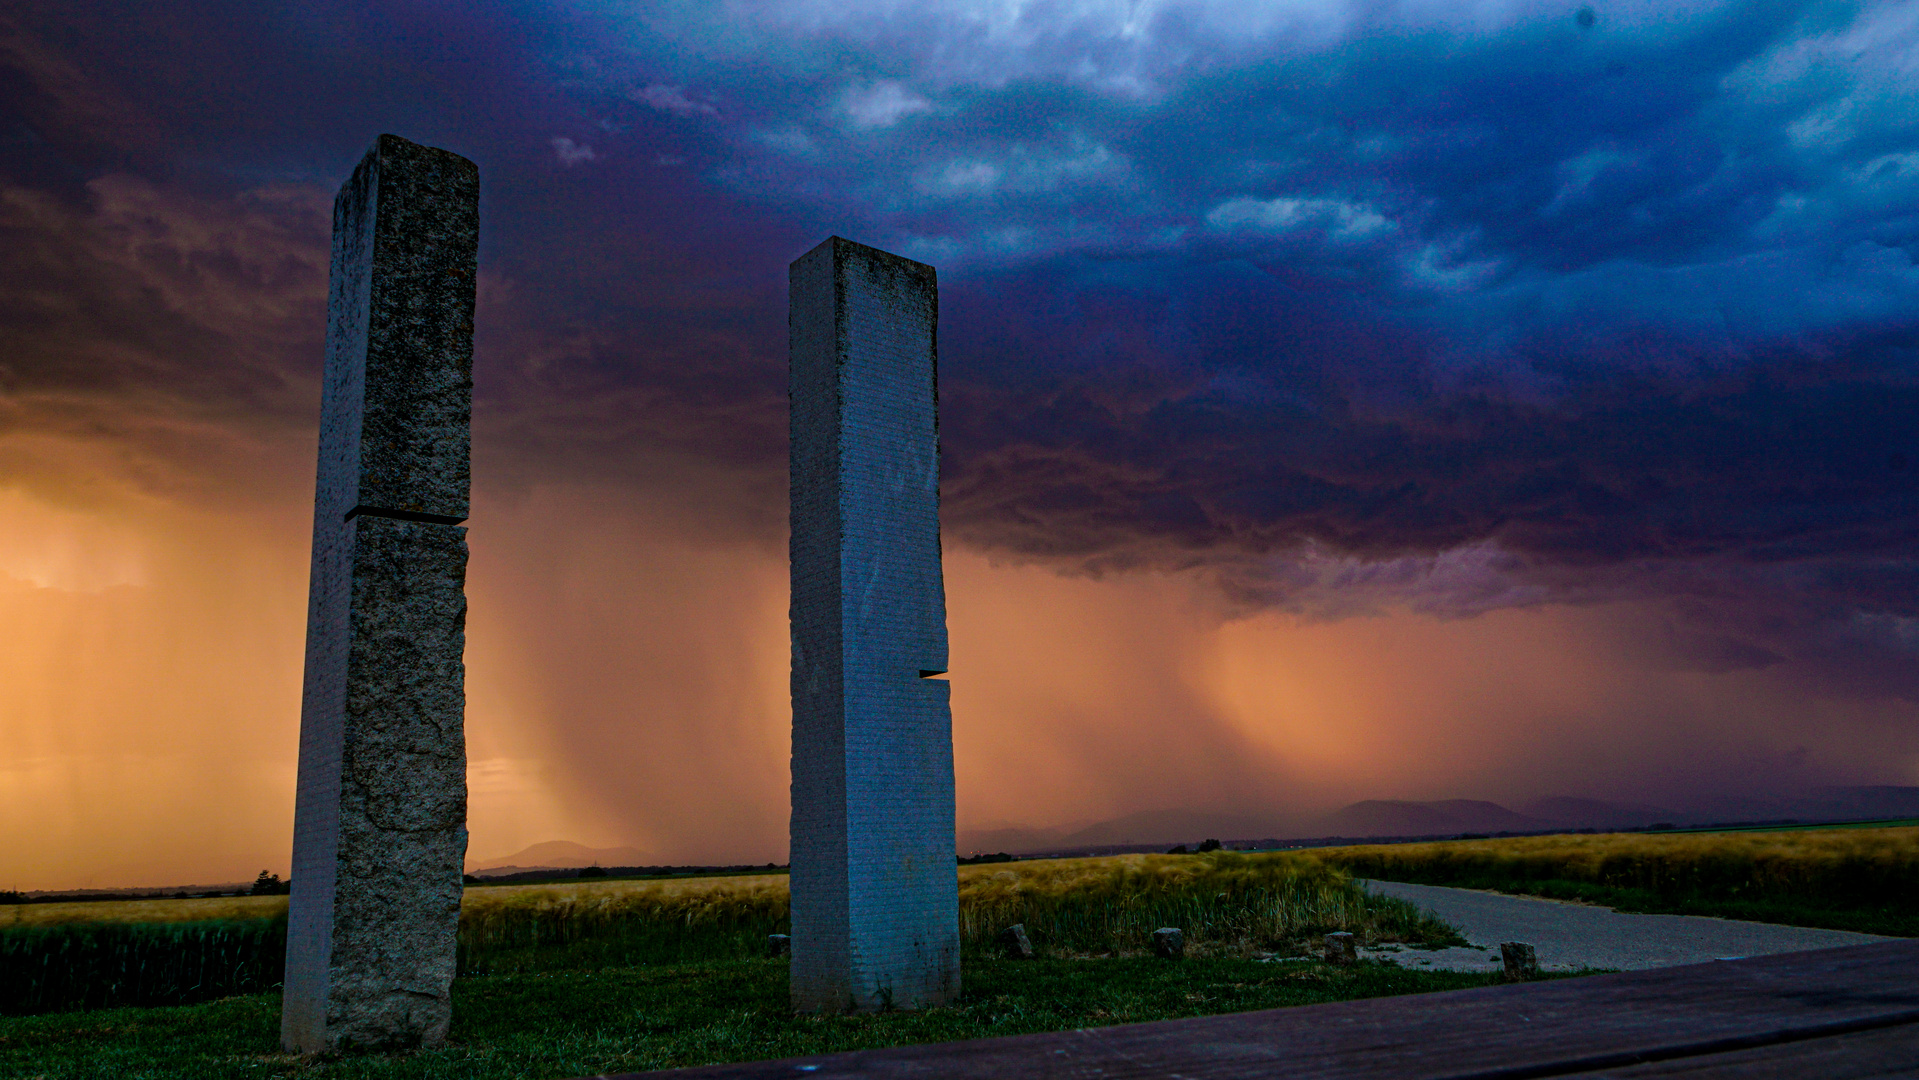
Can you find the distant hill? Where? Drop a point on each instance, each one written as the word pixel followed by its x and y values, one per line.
pixel 1883 801
pixel 1148 827
pixel 1447 817
pixel 1569 812
pixel 1170 827
pixel 1819 804
pixel 1012 839
pixel 563 855
pixel 1396 817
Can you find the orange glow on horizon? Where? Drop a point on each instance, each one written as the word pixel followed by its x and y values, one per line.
pixel 627 685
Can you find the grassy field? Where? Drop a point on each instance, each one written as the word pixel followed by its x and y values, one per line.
pixel 1864 879
pixel 1793 826
pixel 161 909
pixel 583 1023
pixel 1223 901
pixel 607 976
pixel 598 976
pixel 1070 907
pixel 178 952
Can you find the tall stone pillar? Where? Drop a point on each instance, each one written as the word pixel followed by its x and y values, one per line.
pixel 379 834
pixel 875 894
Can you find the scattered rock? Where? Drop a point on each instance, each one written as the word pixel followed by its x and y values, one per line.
pixel 778 944
pixel 1017 945
pixel 1341 948
pixel 1521 961
pixel 1169 942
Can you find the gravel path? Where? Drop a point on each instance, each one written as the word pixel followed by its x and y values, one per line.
pixel 1572 936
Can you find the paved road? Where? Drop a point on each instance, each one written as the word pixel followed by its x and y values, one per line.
pixel 1572 936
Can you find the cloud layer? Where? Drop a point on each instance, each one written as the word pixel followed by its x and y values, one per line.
pixel 1443 320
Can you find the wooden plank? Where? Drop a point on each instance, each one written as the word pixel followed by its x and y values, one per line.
pixel 1496 1033
pixel 1867 1055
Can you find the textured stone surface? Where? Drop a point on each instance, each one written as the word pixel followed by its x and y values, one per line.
pixel 398 393
pixel 1169 942
pixel 1520 959
pixel 380 819
pixel 875 895
pixel 1342 948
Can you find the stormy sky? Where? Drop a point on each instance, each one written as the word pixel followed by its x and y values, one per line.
pixel 1339 400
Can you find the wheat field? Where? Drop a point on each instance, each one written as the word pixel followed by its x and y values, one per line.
pixel 1110 905
pixel 1090 902
pixel 1828 865
pixel 1224 900
pixel 1076 906
pixel 156 910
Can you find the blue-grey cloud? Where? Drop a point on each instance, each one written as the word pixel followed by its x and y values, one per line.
pixel 1342 307
pixel 1228 284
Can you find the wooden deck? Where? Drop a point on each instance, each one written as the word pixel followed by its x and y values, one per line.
pixel 1835 1014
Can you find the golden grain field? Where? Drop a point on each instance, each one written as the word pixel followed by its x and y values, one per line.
pixel 1810 865
pixel 1082 903
pixel 1110 904
pixel 1072 905
pixel 1227 899
pixel 157 910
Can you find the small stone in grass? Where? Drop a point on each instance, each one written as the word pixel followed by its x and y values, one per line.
pixel 1341 948
pixel 1017 945
pixel 778 944
pixel 1169 942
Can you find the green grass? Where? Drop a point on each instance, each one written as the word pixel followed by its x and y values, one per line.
pixel 97 964
pixel 1224 901
pixel 1227 903
pixel 582 1023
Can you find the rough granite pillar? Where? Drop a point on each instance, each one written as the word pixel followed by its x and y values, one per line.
pixel 379 833
pixel 875 895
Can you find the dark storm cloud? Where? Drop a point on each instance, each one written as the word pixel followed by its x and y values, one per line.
pixel 1594 289
pixel 1803 450
pixel 1227 284
pixel 165 190
pixel 1352 307
pixel 1596 335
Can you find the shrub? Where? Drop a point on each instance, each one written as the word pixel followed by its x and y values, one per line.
pixel 269 885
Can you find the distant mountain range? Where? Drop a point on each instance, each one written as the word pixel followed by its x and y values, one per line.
pixel 561 855
pixel 1373 817
pixel 1564 811
pixel 1447 817
pixel 1396 817
pixel 1146 827
pixel 1399 818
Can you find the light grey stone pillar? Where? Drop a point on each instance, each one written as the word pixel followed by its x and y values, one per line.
pixel 379 833
pixel 875 893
